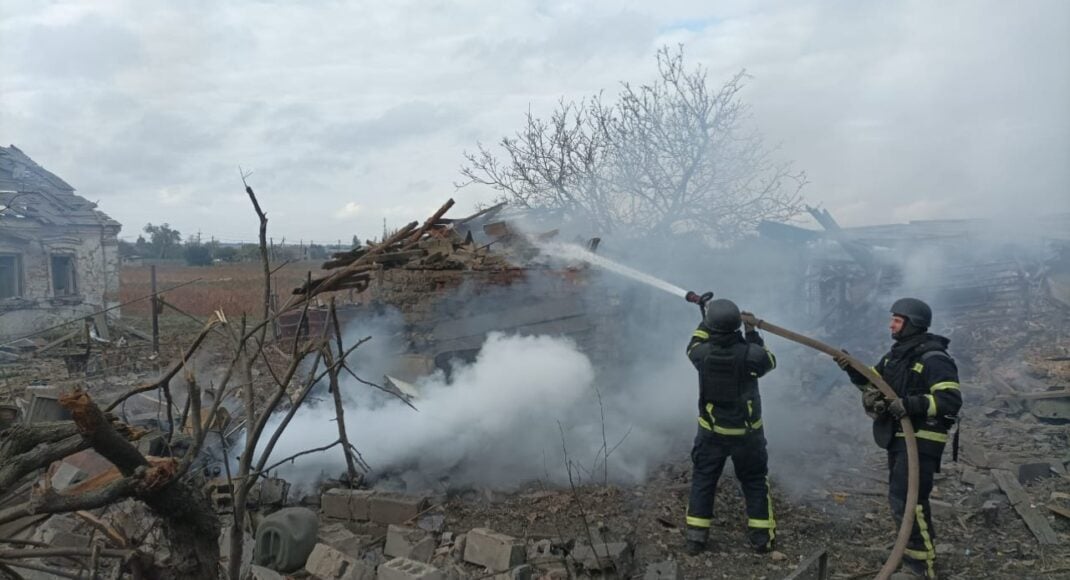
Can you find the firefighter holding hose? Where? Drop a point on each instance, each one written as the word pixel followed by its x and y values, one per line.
pixel 729 364
pixel 925 379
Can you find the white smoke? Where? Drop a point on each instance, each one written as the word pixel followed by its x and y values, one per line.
pixel 492 422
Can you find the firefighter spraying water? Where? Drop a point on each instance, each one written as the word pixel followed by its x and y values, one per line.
pixel 729 363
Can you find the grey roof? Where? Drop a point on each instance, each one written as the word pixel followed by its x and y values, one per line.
pixel 30 191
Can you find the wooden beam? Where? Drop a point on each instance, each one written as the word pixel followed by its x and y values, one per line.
pixel 1037 523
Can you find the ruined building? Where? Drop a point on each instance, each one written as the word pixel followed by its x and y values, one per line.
pixel 59 255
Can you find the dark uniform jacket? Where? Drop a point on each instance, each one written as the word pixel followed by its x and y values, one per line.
pixel 921 372
pixel 728 367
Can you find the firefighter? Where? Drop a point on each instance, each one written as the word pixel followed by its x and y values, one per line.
pixel 729 364
pixel 926 383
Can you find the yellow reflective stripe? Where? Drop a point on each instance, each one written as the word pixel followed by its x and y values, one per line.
pixel 691 348
pixel 764 524
pixel 944 386
pixel 709 409
pixel 729 430
pixel 772 359
pixel 701 334
pixel 930 550
pixel 756 425
pixel 932 406
pixel 702 422
pixel 699 522
pixel 921 555
pixel 918 367
pixel 929 435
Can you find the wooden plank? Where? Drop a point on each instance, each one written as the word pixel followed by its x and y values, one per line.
pixel 59 341
pixel 100 321
pixel 1060 511
pixel 1037 523
pixel 1056 394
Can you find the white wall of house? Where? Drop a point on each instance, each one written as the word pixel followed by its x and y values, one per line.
pixel 40 251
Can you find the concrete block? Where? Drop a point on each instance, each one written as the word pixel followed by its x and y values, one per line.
pixel 347 504
pixel 405 569
pixel 329 564
pixel 667 570
pixel 66 476
pixel 411 543
pixel 605 556
pixel 271 491
pixel 492 550
pixel 395 508
pixel 341 538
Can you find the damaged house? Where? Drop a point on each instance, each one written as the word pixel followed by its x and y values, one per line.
pixel 59 255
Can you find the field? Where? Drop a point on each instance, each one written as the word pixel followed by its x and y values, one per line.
pixel 235 288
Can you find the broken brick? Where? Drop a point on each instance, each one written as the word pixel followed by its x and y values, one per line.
pixel 494 551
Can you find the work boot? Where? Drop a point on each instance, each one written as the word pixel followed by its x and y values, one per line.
pixel 760 541
pixel 695 540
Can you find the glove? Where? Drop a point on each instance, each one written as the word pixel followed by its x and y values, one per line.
pixel 873 402
pixel 746 325
pixel 842 360
pixel 898 408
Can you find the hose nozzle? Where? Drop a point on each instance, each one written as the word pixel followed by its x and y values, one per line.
pixel 700 299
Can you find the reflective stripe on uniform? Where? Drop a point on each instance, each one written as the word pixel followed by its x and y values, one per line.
pixel 729 430
pixel 927 435
pixel 756 425
pixel 701 334
pixel 918 367
pixel 930 550
pixel 698 522
pixel 944 386
pixel 763 524
pixel 772 359
pixel 932 406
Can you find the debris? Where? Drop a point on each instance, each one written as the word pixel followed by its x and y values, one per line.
pixel 493 550
pixel 605 556
pixel 395 508
pixel 347 504
pixel 341 538
pixel 405 569
pixel 285 539
pixel 262 573
pixel 412 543
pixel 269 491
pixel 1058 510
pixel 1020 500
pixel 667 570
pixel 67 475
pixel 813 568
pixel 1031 472
pixel 329 564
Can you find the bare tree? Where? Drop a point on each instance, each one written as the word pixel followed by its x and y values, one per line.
pixel 671 157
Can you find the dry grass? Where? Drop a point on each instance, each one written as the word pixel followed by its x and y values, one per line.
pixel 236 288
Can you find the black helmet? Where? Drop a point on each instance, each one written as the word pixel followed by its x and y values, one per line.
pixel 915 311
pixel 722 315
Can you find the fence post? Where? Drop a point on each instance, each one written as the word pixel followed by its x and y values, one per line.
pixel 155 314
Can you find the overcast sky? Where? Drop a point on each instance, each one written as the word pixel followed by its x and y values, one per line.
pixel 349 113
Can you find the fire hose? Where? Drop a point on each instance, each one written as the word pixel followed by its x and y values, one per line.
pixel 907 523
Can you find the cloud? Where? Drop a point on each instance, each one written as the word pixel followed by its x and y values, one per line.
pixel 885 105
pixel 349 210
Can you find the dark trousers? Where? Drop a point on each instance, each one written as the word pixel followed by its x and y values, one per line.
pixel 751 464
pixel 922 544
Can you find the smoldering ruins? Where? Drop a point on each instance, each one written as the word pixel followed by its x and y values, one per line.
pixel 455 401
